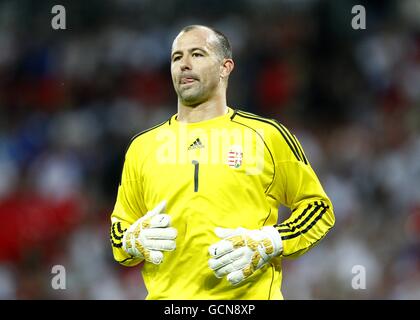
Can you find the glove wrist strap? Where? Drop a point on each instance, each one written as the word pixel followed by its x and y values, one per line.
pixel 275 239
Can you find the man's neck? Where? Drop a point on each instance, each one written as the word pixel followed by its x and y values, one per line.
pixel 202 112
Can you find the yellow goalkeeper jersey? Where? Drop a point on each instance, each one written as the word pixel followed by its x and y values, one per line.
pixel 234 170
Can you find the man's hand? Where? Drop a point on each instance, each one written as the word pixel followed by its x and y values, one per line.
pixel 150 235
pixel 243 251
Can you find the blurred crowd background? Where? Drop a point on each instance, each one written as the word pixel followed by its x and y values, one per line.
pixel 70 100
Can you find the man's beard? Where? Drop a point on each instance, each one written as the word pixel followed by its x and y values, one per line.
pixel 192 96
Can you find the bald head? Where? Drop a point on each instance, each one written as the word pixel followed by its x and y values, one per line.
pixel 219 41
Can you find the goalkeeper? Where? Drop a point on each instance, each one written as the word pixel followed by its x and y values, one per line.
pixel 199 193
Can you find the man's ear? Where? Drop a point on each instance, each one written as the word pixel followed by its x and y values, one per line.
pixel 226 68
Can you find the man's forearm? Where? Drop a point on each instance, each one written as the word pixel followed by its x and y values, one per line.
pixel 308 223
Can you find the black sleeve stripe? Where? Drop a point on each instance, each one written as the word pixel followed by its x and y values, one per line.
pixel 116 245
pixel 291 226
pixel 120 230
pixel 288 224
pixel 274 124
pixel 308 217
pixel 288 237
pixel 297 252
pixel 301 150
pixel 316 203
pixel 114 234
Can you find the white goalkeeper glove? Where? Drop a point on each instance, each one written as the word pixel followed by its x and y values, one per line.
pixel 150 235
pixel 243 251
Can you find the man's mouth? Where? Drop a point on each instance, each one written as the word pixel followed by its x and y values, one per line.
pixel 187 80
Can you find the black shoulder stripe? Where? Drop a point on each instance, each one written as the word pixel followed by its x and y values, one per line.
pixel 269 151
pixel 274 124
pixel 137 135
pixel 249 114
pixel 301 150
pixel 290 136
pixel 145 131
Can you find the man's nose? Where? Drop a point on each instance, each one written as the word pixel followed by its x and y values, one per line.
pixel 185 64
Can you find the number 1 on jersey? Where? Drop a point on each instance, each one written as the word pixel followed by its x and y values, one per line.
pixel 196 166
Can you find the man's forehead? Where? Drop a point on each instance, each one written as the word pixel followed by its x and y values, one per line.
pixel 199 37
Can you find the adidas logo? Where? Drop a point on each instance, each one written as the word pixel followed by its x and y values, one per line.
pixel 196 145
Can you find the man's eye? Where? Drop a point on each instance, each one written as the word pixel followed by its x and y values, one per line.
pixel 176 58
pixel 196 54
